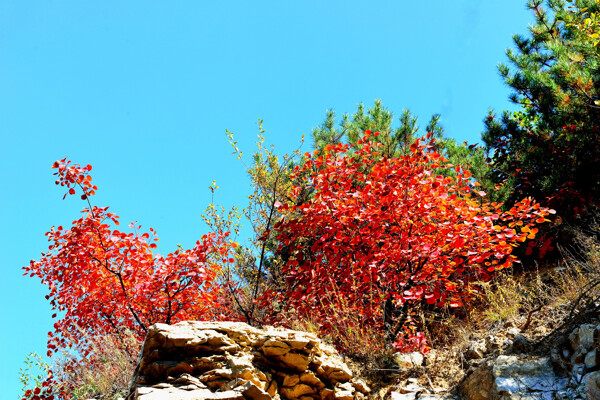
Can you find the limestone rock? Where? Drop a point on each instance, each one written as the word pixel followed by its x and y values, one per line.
pixel 297 391
pixel 591 359
pixel 477 350
pixel 331 368
pixel 234 361
pixel 171 392
pixel 509 377
pixel 361 386
pixel 513 375
pixel 406 361
pixel 275 348
pixel 582 337
pixel 521 344
pixel 478 385
pixel 296 361
pixel 251 391
pixel 493 342
pixel 403 396
pixel 343 391
pixel 412 390
pixel 513 332
pixel 591 385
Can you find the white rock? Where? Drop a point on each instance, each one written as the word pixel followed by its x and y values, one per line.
pixel 591 359
pixel 407 361
pixel 512 332
pixel 591 385
pixel 582 337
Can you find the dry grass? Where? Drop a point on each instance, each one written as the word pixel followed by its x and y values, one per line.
pixel 545 302
pixel 350 335
pixel 507 298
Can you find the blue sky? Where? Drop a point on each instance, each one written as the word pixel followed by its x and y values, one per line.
pixel 144 90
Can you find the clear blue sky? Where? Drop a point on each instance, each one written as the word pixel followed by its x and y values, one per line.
pixel 144 90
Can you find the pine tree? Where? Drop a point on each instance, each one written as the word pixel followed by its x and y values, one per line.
pixel 550 148
pixel 397 140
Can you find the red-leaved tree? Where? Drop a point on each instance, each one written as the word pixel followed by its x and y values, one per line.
pixel 104 281
pixel 382 238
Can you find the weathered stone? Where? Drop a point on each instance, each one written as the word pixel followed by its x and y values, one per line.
pixel 513 376
pixel 403 396
pixel 521 344
pixel 493 342
pixel 577 372
pixel 188 380
pixel 361 386
pixel 477 350
pixel 509 377
pixel 274 347
pixel 296 361
pixel 272 388
pixel 582 337
pixel 253 392
pixel 591 359
pixel 413 391
pixel 406 361
pixel 162 386
pixel 591 385
pixel 326 394
pixel 411 387
pixel 290 380
pixel 149 393
pixel 513 332
pixel 478 385
pixel 297 391
pixel 579 356
pixel 311 379
pixel 233 361
pixel 332 369
pixel 343 391
pixel 567 376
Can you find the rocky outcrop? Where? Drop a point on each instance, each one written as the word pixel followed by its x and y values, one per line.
pixel 570 372
pixel 513 377
pixel 411 390
pixel 234 361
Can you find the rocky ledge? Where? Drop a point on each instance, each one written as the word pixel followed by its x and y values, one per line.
pixel 234 361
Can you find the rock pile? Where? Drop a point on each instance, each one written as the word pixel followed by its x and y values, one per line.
pixel 234 361
pixel 570 372
pixel 513 377
pixel 580 360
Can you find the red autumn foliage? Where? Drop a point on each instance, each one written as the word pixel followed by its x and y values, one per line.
pixel 383 238
pixel 104 281
pixel 47 391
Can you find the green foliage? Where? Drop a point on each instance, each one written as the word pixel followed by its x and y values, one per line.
pixel 551 147
pixel 34 373
pixel 396 141
pixel 257 266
